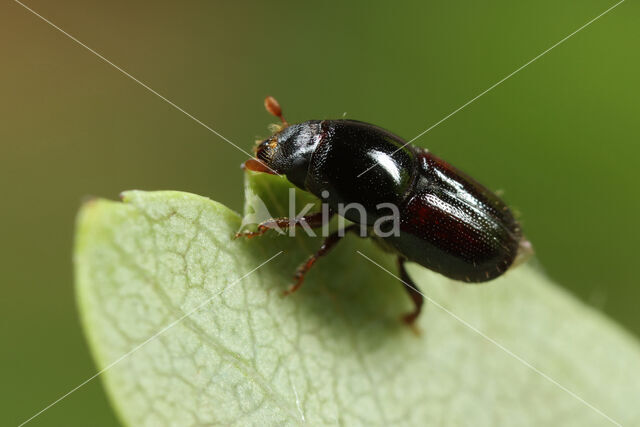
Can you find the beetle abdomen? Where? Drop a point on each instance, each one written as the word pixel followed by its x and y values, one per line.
pixel 455 226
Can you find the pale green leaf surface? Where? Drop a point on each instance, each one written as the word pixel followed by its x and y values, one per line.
pixel 335 352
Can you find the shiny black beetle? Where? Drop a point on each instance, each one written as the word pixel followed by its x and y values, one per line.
pixel 449 223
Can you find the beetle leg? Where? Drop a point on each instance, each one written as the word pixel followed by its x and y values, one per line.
pixel 328 244
pixel 314 220
pixel 413 292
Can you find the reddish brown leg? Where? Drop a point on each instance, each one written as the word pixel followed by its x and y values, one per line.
pixel 313 221
pixel 328 244
pixel 413 292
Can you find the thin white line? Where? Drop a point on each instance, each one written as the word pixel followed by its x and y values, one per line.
pixel 491 340
pixel 501 81
pixel 295 392
pixel 182 110
pixel 136 348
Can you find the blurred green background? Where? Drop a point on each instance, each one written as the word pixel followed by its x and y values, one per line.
pixel 560 137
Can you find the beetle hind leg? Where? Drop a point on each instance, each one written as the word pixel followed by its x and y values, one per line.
pixel 414 293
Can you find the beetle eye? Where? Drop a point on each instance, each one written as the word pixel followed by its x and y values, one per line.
pixel 261 154
pixel 264 151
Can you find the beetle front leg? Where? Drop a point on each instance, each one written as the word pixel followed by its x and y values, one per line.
pixel 414 293
pixel 314 221
pixel 328 244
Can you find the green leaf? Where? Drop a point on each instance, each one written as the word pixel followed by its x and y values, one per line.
pixel 510 352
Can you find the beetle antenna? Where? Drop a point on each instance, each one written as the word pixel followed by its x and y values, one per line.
pixel 273 107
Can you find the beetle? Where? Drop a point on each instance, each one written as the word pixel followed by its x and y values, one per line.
pixel 448 222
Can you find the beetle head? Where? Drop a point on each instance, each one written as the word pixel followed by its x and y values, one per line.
pixel 287 152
